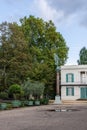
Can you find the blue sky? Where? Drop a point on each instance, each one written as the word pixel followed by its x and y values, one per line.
pixel 69 17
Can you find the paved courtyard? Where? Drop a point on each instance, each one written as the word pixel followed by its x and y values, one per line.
pixel 42 118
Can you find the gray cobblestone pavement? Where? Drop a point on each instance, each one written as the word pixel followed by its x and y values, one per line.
pixel 40 118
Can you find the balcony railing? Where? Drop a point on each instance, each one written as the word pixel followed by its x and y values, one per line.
pixel 80 83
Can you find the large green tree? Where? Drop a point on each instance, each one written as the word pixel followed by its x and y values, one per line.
pixel 43 41
pixel 14 55
pixel 82 56
pixel 27 50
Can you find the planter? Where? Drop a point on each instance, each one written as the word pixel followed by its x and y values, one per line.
pixel 37 103
pixel 3 106
pixel 16 103
pixel 30 103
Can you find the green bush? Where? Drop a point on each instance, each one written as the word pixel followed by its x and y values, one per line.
pixel 3 95
pixel 15 91
pixel 9 106
pixel 34 88
pixel 44 101
pixel 2 88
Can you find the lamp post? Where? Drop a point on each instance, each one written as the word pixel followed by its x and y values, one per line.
pixel 57 97
pixel 57 81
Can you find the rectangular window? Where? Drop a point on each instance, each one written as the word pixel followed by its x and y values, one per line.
pixel 70 77
pixel 83 77
pixel 70 91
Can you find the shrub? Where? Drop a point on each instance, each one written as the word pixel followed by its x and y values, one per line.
pixel 34 88
pixel 3 95
pixel 38 89
pixel 44 101
pixel 15 91
pixel 28 89
pixel 9 106
pixel 2 88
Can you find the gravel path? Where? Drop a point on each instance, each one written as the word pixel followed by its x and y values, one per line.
pixel 39 118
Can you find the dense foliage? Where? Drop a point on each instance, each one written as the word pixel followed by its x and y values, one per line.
pixel 15 91
pixel 27 50
pixel 14 55
pixel 82 56
pixel 33 89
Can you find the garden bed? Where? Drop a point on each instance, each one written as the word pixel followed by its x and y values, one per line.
pixel 11 104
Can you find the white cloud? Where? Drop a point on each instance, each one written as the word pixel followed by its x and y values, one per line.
pixel 58 15
pixel 63 11
pixel 48 12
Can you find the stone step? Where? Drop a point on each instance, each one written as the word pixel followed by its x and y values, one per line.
pixel 69 102
pixel 74 102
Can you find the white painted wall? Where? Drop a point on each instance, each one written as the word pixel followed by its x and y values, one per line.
pixel 75 69
pixel 76 93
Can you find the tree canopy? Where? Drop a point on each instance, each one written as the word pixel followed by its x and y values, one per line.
pixel 27 50
pixel 14 55
pixel 82 56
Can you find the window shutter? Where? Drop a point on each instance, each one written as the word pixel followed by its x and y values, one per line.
pixel 66 77
pixel 72 77
pixel 66 91
pixel 73 91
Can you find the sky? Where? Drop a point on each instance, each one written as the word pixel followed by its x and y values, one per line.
pixel 69 17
